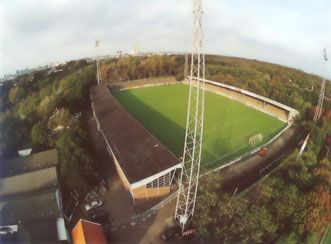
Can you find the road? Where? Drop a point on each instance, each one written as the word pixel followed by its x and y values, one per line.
pixel 245 173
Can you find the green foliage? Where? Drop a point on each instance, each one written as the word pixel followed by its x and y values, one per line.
pixel 16 94
pixel 129 68
pixel 39 134
pixel 26 108
pixel 39 116
pixel 74 89
pixel 293 205
pixel 12 133
pixel 47 106
pixel 59 120
pixel 76 164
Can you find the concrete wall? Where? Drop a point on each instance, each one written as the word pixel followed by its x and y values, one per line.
pixel 141 192
pixel 144 193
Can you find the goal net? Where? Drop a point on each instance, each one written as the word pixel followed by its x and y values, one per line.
pixel 256 139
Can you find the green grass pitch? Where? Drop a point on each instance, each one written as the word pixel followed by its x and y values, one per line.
pixel 227 128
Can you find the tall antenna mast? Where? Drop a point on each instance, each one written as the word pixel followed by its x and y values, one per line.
pixel 98 65
pixel 318 113
pixel 188 184
pixel 319 108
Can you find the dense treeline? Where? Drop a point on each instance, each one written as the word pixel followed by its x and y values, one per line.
pixel 132 68
pixel 293 205
pixel 286 85
pixel 44 110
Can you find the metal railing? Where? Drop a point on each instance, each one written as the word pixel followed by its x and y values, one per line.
pixel 150 212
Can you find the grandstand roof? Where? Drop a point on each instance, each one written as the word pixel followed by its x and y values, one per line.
pixel 28 182
pixel 29 207
pixel 139 153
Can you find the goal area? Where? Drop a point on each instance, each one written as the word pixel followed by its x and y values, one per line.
pixel 256 139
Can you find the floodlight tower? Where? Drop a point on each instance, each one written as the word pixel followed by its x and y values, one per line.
pixel 319 108
pixel 98 65
pixel 188 184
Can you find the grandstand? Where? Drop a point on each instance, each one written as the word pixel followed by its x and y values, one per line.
pixel 145 166
pixel 276 109
pixel 143 130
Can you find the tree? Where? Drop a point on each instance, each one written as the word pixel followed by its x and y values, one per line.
pixel 39 134
pixel 26 108
pixel 59 120
pixel 47 106
pixel 319 210
pixel 12 133
pixel 77 167
pixel 16 94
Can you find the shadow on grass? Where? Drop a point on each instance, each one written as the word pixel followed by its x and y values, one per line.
pixel 168 132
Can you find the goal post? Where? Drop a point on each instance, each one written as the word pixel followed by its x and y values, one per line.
pixel 256 139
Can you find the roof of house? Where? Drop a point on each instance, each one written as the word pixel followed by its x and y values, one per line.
pixel 138 152
pixel 29 163
pixel 29 207
pixel 28 182
pixel 29 198
pixel 86 232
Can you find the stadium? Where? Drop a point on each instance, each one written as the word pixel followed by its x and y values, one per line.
pixel 143 124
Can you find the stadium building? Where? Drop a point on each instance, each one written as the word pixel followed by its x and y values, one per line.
pixel 145 166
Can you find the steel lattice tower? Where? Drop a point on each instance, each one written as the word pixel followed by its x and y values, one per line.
pixel 98 65
pixel 319 108
pixel 188 184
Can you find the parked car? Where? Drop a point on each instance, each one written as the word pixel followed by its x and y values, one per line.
pixel 101 217
pixel 93 204
pixel 263 151
pixel 169 233
pixel 8 230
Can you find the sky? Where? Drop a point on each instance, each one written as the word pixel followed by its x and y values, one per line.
pixel 287 32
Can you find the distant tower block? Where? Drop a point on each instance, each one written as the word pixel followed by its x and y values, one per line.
pixel 98 65
pixel 134 51
pixel 188 184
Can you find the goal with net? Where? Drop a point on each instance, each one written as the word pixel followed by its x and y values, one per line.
pixel 256 139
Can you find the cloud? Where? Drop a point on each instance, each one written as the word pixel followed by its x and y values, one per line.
pixel 35 32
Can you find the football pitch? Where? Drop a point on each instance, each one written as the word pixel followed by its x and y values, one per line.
pixel 228 124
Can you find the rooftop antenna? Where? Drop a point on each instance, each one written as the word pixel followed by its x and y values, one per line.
pixel 188 184
pixel 98 65
pixel 319 108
